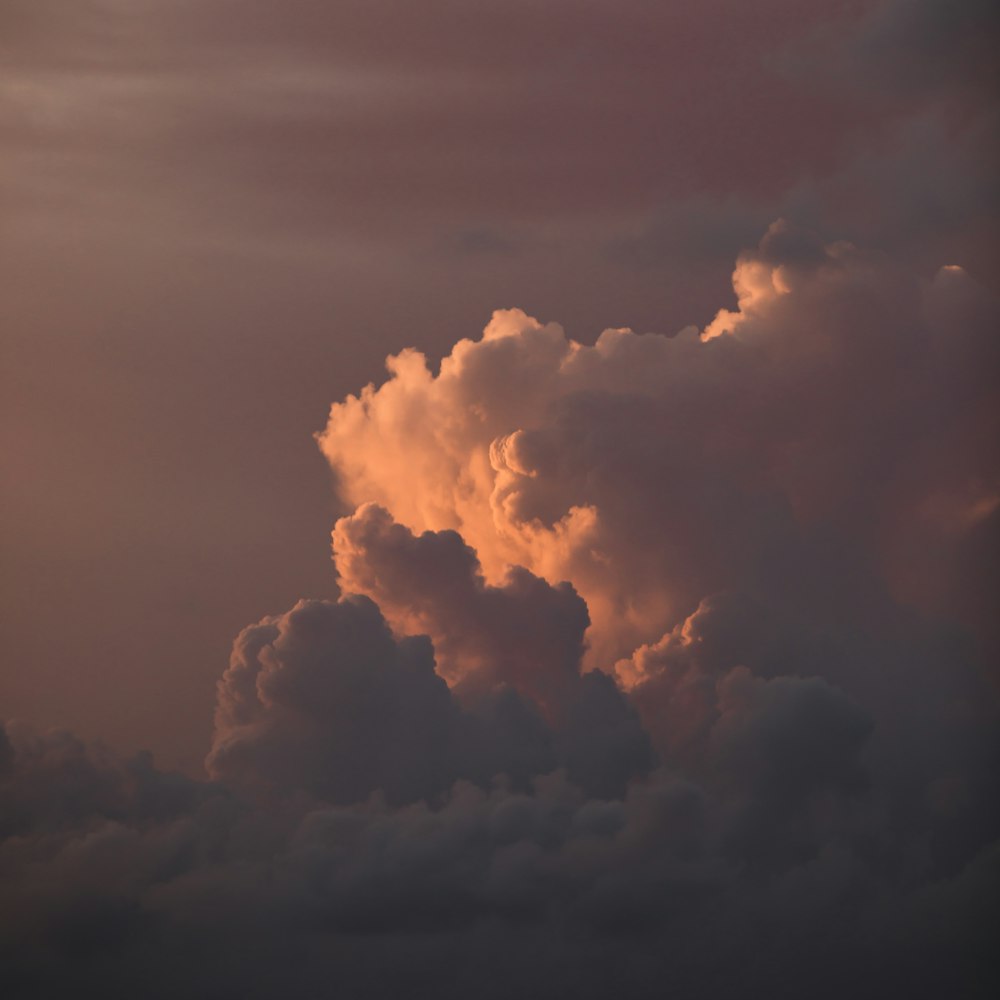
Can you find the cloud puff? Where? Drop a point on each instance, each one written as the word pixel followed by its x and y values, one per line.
pixel 524 631
pixel 325 699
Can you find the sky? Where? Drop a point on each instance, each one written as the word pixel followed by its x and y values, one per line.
pixel 499 497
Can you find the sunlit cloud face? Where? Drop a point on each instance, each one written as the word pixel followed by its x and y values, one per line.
pixel 651 472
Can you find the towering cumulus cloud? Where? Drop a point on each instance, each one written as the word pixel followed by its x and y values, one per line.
pixel 828 445
pixel 661 668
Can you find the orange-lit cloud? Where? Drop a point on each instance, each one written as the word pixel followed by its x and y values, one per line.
pixel 651 472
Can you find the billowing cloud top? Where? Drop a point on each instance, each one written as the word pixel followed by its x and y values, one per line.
pixel 829 437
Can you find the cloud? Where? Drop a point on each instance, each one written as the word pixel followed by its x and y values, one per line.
pixel 651 471
pixel 658 668
pixel 665 664
pixel 674 885
pixel 325 699
pixel 523 632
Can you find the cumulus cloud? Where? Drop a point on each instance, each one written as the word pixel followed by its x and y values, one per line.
pixel 524 632
pixel 324 698
pixel 658 668
pixel 816 421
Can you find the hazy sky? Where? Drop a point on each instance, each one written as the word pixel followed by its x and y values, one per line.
pixel 220 217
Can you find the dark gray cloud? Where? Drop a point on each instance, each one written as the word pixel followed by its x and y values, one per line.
pixel 324 699
pixel 525 632
pixel 704 890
